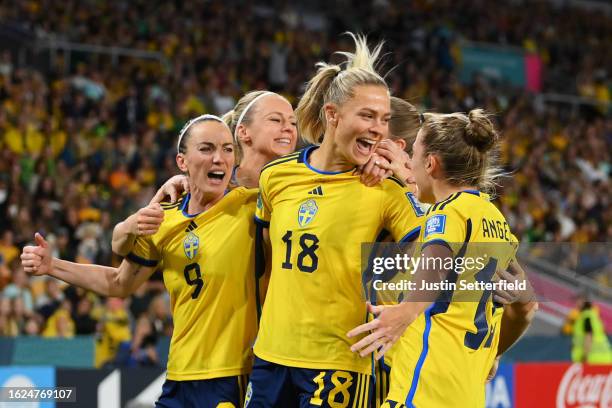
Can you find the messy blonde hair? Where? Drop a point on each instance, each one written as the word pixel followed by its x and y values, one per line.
pixel 335 84
pixel 467 146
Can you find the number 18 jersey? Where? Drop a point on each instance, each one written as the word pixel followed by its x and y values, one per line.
pixel 317 222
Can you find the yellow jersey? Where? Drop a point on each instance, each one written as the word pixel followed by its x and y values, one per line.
pixel 317 222
pixel 115 330
pixel 445 355
pixel 208 262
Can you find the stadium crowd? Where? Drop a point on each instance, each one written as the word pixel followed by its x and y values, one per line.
pixel 85 145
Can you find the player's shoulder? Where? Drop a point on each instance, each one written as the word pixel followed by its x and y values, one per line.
pixel 243 195
pixel 392 184
pixel 168 206
pixel 282 162
pixel 459 202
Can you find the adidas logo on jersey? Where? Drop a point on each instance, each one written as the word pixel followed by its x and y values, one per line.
pixel 192 225
pixel 316 191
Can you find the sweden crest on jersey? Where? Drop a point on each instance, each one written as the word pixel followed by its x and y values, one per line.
pixel 191 244
pixel 306 213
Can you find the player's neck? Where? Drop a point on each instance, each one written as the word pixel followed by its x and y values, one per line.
pixel 443 190
pixel 200 201
pixel 328 158
pixel 247 173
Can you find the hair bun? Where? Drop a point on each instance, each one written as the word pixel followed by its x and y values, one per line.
pixel 479 131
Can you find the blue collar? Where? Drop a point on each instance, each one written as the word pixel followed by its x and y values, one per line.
pixel 185 205
pixel 306 155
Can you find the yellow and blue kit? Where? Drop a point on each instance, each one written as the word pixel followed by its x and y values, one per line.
pixel 317 222
pixel 446 354
pixel 207 261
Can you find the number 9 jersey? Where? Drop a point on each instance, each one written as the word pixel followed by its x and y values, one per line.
pixel 317 222
pixel 208 262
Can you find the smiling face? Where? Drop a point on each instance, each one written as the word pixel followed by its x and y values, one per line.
pixel 271 129
pixel 208 158
pixel 360 122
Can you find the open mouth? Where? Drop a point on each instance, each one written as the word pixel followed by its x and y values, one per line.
pixel 283 141
pixel 365 145
pixel 216 176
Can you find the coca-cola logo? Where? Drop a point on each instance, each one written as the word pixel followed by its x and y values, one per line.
pixel 583 390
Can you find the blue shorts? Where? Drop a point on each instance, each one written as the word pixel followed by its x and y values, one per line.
pixel 225 392
pixel 275 385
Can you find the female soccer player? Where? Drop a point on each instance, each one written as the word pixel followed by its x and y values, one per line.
pixel 318 213
pixel 264 127
pixel 404 125
pixel 212 290
pixel 450 345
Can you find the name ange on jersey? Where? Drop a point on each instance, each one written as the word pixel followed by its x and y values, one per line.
pixel 495 229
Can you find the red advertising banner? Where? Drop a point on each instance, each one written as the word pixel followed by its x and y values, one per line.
pixel 563 385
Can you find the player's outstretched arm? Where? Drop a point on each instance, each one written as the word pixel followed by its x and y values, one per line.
pixel 145 221
pixel 104 280
pixel 518 313
pixel 391 321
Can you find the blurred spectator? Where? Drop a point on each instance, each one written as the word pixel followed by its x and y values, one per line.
pixel 60 324
pixel 8 250
pixel 590 344
pixel 51 299
pixel 149 328
pixel 115 329
pixel 8 325
pixel 83 320
pixel 19 288
pixel 5 273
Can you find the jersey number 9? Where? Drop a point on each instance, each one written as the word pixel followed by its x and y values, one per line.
pixel 194 281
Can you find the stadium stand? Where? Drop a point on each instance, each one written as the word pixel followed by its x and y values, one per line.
pixel 92 95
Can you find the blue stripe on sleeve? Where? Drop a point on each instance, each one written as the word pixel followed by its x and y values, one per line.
pixel 141 261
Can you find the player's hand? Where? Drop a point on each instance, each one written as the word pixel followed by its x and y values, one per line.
pixel 507 297
pixel 374 171
pixel 36 260
pixel 147 220
pixel 395 160
pixel 172 188
pixel 493 369
pixel 388 326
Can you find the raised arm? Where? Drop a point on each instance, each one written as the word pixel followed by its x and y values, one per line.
pixel 392 320
pixel 145 221
pixel 104 280
pixel 172 188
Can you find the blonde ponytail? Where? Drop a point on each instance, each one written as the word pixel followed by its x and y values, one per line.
pixel 333 84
